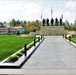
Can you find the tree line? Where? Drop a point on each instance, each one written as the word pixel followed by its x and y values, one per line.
pixel 29 26
pixel 32 26
pixel 69 26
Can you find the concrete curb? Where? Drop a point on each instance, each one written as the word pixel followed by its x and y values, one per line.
pixel 22 59
pixel 70 42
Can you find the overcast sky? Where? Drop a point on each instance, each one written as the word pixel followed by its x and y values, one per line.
pixel 31 9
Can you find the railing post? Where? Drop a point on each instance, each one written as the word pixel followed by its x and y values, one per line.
pixel 41 36
pixel 39 39
pixel 69 38
pixel 63 35
pixel 25 49
pixel 34 42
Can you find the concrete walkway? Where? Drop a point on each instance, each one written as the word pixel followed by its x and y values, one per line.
pixel 54 56
pixel 53 53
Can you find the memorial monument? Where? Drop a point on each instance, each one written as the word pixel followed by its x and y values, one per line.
pixel 55 27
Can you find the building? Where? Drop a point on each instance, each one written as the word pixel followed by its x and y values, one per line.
pixel 18 28
pixel 12 30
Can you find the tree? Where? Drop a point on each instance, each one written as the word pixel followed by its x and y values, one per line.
pixel 75 25
pixel 1 24
pixel 18 22
pixel 4 22
pixel 38 24
pixel 13 22
pixel 32 29
pixel 75 22
pixel 29 26
pixel 25 22
pixel 67 23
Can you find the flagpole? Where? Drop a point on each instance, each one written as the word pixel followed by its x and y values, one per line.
pixel 51 13
pixel 41 20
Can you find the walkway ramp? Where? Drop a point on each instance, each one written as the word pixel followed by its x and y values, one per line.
pixel 53 53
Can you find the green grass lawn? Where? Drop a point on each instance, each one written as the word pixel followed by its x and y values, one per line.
pixel 73 39
pixel 11 44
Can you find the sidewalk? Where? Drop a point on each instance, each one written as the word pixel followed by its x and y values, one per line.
pixel 54 56
pixel 53 53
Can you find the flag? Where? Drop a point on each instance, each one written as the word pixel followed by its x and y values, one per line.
pixel 61 16
pixel 41 16
pixel 51 11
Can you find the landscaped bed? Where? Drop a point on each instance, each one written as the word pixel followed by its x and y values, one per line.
pixel 18 58
pixel 10 44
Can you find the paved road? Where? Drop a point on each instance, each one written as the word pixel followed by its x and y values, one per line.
pixel 53 53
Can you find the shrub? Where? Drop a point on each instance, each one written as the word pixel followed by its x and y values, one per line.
pixel 37 40
pixel 19 54
pixel 18 33
pixel 65 37
pixel 13 58
pixel 30 45
pixel 22 51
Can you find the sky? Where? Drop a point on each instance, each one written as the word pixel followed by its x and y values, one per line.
pixel 30 10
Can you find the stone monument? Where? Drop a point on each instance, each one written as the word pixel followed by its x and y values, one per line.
pixel 55 28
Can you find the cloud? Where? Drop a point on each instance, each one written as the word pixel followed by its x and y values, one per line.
pixel 19 10
pixel 57 14
pixel 46 14
pixel 32 8
pixel 67 15
pixel 70 16
pixel 10 7
pixel 70 4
